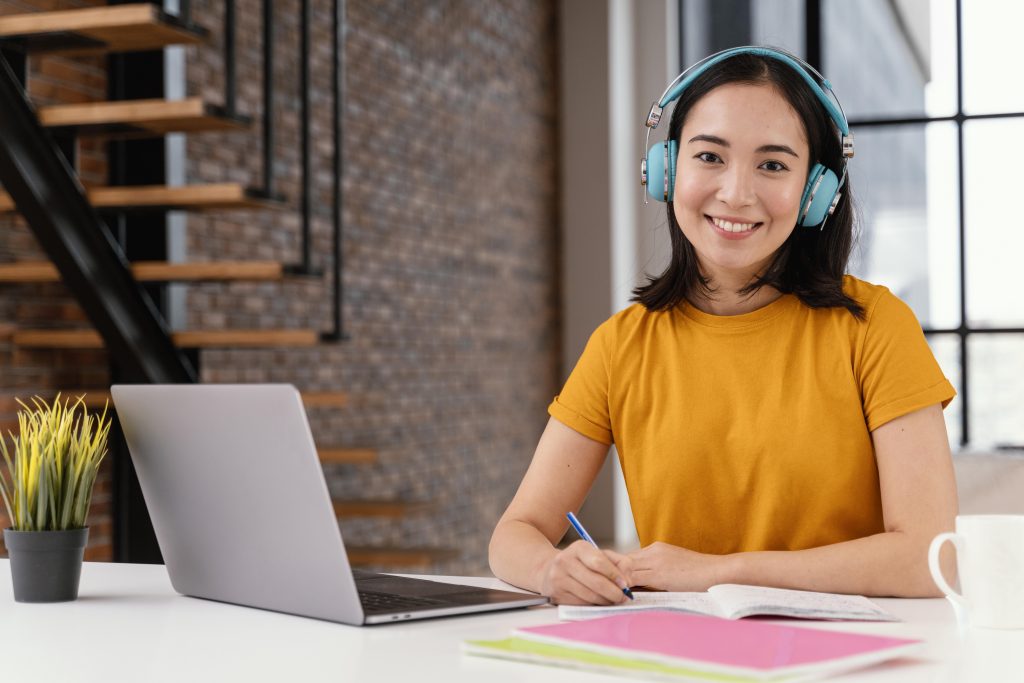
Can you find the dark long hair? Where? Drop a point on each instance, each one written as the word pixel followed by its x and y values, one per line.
pixel 811 263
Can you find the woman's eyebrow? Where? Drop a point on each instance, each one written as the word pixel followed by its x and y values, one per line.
pixel 715 140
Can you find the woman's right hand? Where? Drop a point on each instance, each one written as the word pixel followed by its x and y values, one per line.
pixel 584 575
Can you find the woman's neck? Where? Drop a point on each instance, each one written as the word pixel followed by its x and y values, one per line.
pixel 725 298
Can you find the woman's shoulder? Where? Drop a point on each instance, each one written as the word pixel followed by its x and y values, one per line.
pixel 633 317
pixel 867 294
pixel 632 322
pixel 882 308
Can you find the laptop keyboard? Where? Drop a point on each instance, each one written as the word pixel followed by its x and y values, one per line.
pixel 387 602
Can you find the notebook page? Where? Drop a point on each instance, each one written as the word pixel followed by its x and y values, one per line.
pixel 743 601
pixel 694 603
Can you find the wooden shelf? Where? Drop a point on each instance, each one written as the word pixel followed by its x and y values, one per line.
pixel 412 558
pixel 198 339
pixel 157 271
pixel 393 509
pixel 140 118
pixel 219 196
pixel 347 456
pixel 92 30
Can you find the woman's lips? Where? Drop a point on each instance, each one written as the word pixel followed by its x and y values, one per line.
pixel 732 235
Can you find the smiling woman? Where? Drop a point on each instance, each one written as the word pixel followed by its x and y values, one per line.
pixel 778 422
pixel 738 186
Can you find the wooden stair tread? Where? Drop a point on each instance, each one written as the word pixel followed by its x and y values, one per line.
pixel 250 338
pixel 90 339
pixel 347 456
pixel 398 557
pixel 378 508
pixel 156 271
pixel 138 118
pixel 157 197
pixel 96 398
pixel 114 28
pixel 324 399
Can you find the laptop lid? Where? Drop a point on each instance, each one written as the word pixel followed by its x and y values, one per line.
pixel 238 500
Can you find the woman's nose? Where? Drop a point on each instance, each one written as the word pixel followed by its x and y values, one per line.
pixel 737 187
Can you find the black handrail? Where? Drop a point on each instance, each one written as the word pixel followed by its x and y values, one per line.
pixel 46 193
pixel 307 161
pixel 185 11
pixel 338 86
pixel 268 97
pixel 230 79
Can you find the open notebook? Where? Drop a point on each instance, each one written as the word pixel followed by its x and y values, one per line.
pixel 733 601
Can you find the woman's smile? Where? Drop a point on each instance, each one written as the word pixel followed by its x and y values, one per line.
pixel 732 229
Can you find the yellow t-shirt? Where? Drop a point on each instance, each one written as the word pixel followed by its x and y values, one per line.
pixel 753 431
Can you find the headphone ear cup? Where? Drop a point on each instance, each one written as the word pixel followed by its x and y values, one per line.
pixel 673 153
pixel 660 156
pixel 819 192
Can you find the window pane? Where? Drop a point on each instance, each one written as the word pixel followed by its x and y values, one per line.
pixel 992 56
pixel 779 23
pixel 946 348
pixel 908 67
pixel 995 230
pixel 904 183
pixel 996 367
pixel 709 26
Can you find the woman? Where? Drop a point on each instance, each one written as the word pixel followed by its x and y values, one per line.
pixel 778 422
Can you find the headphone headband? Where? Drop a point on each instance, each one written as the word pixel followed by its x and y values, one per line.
pixel 831 104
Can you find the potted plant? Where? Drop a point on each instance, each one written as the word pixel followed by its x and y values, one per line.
pixel 51 468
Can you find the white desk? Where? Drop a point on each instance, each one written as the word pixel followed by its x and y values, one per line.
pixel 129 625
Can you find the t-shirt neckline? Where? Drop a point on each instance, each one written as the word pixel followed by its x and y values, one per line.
pixel 742 320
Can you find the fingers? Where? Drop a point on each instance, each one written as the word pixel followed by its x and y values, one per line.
pixel 625 564
pixel 586 595
pixel 601 564
pixel 582 574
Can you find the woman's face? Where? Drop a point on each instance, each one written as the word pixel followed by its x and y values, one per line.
pixel 742 166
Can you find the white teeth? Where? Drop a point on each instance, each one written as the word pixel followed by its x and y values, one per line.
pixel 732 227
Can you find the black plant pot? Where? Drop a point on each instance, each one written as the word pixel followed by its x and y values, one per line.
pixel 46 565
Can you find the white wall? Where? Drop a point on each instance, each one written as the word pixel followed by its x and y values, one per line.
pixel 617 56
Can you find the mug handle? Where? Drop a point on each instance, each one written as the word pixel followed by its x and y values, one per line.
pixel 933 565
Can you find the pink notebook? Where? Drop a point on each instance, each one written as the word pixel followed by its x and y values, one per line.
pixel 748 648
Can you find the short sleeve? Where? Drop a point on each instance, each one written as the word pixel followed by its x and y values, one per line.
pixel 583 402
pixel 897 370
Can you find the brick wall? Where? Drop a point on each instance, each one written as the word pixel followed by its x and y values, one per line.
pixel 24 373
pixel 450 249
pixel 451 301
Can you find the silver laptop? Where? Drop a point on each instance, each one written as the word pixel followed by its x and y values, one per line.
pixel 242 514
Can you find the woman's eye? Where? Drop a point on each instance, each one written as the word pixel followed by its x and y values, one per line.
pixel 708 157
pixel 773 166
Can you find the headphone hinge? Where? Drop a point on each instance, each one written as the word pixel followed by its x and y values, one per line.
pixel 654 116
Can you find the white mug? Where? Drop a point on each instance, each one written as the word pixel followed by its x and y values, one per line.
pixel 990 563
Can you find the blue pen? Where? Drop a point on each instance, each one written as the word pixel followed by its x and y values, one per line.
pixel 586 537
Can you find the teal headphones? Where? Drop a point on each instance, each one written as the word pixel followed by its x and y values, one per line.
pixel 821 193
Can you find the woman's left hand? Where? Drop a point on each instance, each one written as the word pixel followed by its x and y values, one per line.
pixel 671 568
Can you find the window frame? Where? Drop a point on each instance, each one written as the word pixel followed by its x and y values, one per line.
pixel 813 41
